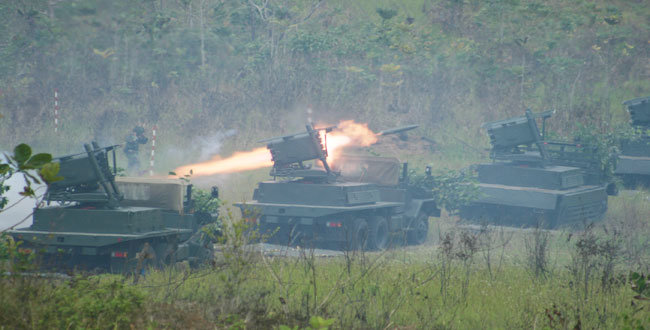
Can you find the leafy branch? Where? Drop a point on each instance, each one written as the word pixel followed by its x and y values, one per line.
pixel 35 169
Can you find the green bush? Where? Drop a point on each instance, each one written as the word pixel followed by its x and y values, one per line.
pixel 91 303
pixel 51 302
pixel 451 189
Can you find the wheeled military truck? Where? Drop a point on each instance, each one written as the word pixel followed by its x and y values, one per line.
pixel 357 202
pixel 634 161
pixel 532 181
pixel 95 220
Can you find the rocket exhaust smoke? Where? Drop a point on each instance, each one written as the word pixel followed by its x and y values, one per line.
pixel 240 161
pixel 347 134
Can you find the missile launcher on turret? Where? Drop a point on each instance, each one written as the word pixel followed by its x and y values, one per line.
pixel 94 220
pixel 634 161
pixel 358 202
pixel 532 181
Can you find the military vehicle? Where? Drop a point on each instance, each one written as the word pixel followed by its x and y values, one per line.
pixel 94 220
pixel 357 202
pixel 532 181
pixel 634 162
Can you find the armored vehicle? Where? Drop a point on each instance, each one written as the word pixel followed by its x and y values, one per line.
pixel 634 162
pixel 532 181
pixel 357 202
pixel 95 220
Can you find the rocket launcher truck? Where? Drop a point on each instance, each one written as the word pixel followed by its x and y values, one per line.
pixel 358 202
pixel 531 181
pixel 95 220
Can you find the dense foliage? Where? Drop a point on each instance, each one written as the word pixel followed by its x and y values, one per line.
pixel 450 189
pixel 204 202
pixel 605 146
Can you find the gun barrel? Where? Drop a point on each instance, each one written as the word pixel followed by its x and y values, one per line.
pixel 296 135
pixel 397 130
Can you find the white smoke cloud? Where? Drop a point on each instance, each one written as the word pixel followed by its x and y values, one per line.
pixel 210 146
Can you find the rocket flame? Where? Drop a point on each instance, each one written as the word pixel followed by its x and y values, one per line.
pixel 240 161
pixel 348 133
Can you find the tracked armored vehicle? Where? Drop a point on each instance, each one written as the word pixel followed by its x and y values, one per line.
pixel 634 162
pixel 355 203
pixel 532 181
pixel 94 220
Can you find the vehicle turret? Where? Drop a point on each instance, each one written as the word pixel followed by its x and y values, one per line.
pixel 94 219
pixel 290 152
pixel 634 161
pixel 87 178
pixel 512 138
pixel 639 110
pixel 532 179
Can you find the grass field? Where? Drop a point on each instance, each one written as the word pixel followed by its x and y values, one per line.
pixel 467 276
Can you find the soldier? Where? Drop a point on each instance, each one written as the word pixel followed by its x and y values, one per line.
pixel 132 147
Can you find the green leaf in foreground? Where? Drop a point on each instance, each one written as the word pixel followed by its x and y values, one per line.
pixel 22 153
pixel 4 169
pixel 39 160
pixel 49 171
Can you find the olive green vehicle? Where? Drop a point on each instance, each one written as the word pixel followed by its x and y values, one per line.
pixel 357 202
pixel 532 181
pixel 94 220
pixel 634 161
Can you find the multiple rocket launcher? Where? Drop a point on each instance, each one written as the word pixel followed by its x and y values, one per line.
pixel 544 183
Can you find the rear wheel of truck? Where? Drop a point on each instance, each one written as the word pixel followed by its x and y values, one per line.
pixel 165 252
pixel 358 235
pixel 379 234
pixel 419 229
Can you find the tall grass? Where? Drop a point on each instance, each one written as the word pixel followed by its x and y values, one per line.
pixel 473 277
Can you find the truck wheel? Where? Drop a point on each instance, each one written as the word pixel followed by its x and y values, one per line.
pixel 419 230
pixel 165 254
pixel 358 238
pixel 379 234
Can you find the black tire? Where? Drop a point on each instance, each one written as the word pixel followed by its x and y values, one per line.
pixel 165 254
pixel 358 235
pixel 419 230
pixel 379 235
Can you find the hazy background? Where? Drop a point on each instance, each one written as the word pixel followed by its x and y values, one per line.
pixel 217 76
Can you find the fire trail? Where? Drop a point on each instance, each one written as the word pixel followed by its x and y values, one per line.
pixel 346 134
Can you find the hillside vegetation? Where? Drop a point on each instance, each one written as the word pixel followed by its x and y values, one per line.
pixel 200 67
